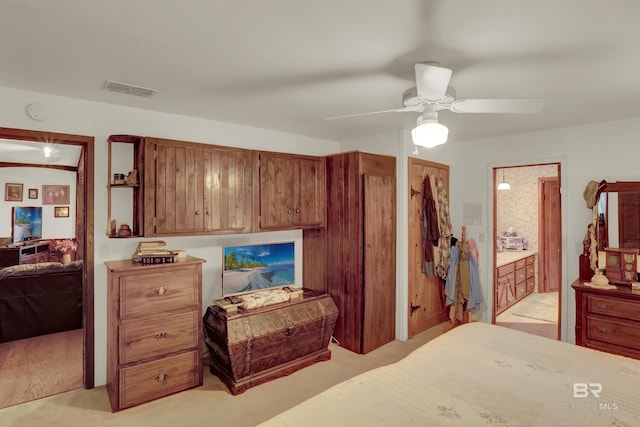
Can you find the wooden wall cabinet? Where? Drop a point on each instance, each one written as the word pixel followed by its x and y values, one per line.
pixel 292 191
pixel 154 330
pixel 194 188
pixel 354 258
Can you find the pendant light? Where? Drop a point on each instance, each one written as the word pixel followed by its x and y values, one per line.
pixel 504 185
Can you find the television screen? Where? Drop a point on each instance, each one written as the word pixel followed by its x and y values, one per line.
pixel 27 223
pixel 253 267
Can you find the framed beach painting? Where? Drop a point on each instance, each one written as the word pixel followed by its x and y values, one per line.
pixel 253 267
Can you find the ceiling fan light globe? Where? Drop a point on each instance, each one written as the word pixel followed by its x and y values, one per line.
pixel 430 134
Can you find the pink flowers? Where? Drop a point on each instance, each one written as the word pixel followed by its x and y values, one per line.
pixel 66 245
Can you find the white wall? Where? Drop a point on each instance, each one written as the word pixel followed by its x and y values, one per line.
pixel 35 178
pixel 99 120
pixel 593 152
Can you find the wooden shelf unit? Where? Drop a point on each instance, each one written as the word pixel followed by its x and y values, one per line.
pixel 137 163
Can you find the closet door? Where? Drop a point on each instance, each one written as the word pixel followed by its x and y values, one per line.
pixel 426 293
pixel 379 193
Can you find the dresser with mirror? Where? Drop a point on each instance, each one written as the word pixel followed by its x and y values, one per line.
pixel 608 315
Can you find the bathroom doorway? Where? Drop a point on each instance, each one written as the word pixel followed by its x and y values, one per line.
pixel 527 256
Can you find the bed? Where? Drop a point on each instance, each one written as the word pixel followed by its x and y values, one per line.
pixel 481 374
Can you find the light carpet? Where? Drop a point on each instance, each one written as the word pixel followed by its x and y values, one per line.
pixel 539 306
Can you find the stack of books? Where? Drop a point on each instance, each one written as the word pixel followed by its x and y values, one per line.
pixel 155 252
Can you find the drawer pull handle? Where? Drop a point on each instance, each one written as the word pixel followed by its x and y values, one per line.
pixel 160 336
pixel 604 330
pixel 603 306
pixel 162 378
pixel 160 291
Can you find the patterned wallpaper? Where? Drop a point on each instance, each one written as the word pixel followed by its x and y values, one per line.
pixel 518 207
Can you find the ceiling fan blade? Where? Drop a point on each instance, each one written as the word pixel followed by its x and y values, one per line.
pixel 506 106
pixel 397 110
pixel 432 81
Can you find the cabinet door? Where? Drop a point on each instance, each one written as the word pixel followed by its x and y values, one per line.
pixel 308 192
pixel 502 294
pixel 179 192
pixel 292 191
pixel 227 190
pixel 276 186
pixel 378 323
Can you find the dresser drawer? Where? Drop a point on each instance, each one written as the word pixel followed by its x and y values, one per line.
pixel 158 292
pixel 521 290
pixel 151 380
pixel 520 264
pixel 530 260
pixel 154 336
pixel 520 276
pixel 505 269
pixel 615 331
pixel 613 307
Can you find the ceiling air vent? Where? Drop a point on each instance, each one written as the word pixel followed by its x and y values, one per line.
pixel 130 89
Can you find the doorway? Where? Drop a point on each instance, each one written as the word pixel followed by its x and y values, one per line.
pixel 84 226
pixel 527 242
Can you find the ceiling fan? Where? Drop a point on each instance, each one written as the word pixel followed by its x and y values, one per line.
pixel 433 94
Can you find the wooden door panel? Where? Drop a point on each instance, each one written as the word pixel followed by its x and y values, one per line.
pixel 426 293
pixel 308 191
pixel 550 269
pixel 379 274
pixel 275 191
pixel 227 190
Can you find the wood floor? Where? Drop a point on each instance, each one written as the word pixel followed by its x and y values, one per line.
pixel 42 366
pixel 532 326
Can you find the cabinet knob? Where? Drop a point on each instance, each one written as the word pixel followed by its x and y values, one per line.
pixel 297 210
pixel 288 211
pixel 160 291
pixel 197 212
pixel 160 335
pixel 162 378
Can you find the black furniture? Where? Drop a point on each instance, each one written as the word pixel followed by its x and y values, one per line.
pixel 40 299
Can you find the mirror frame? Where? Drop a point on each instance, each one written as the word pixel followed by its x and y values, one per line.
pixel 614 187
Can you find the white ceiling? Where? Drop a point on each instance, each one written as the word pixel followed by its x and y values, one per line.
pixel 289 64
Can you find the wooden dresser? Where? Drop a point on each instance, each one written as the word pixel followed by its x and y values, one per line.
pixel 154 324
pixel 608 319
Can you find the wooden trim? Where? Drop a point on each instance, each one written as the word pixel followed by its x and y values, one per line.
pixel 84 226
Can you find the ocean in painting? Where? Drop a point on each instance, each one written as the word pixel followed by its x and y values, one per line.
pixel 254 267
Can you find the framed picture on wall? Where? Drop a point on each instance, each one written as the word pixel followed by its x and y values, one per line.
pixel 61 211
pixel 33 193
pixel 55 195
pixel 13 192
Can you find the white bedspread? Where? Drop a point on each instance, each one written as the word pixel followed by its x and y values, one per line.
pixel 482 375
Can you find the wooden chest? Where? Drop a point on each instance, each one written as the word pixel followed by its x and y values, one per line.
pixel 154 316
pixel 253 346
